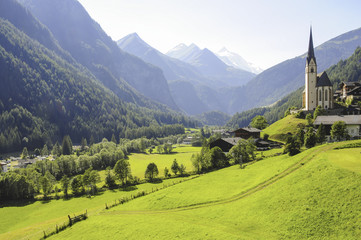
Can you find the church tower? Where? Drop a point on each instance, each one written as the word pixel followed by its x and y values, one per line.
pixel 310 94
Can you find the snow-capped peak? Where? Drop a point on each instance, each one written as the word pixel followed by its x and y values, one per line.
pixel 235 60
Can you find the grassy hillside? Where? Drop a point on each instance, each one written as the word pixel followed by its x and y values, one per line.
pixel 29 220
pixel 314 198
pixel 278 130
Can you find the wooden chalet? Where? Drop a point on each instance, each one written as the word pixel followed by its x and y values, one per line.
pixel 247 132
pixel 225 143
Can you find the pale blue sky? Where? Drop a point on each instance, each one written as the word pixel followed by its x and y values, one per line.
pixel 264 32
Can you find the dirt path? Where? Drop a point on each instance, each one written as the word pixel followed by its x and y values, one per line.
pixel 237 197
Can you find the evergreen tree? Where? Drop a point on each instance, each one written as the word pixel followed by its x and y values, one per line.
pixel 318 112
pixel 25 153
pixel 321 134
pixel 292 146
pixel 92 141
pixel 113 139
pixel 83 143
pixel 67 146
pixel 175 167
pixel 56 149
pixel 45 151
pixel 310 138
pixel 166 172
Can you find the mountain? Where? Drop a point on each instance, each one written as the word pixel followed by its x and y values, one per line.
pixel 183 52
pixel 346 70
pixel 77 33
pixel 280 80
pixel 172 68
pixel 235 60
pixel 47 94
pixel 220 74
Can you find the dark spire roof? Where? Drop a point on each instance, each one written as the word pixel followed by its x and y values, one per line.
pixel 323 80
pixel 311 53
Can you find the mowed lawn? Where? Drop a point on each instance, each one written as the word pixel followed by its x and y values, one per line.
pixel 319 200
pixel 139 161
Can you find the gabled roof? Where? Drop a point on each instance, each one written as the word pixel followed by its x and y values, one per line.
pixel 232 141
pixel 329 120
pixel 323 80
pixel 248 129
pixel 311 53
pixel 350 84
pixel 355 91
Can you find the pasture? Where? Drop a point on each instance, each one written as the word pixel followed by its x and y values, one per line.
pixel 305 196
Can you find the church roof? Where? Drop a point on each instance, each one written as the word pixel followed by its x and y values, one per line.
pixel 323 80
pixel 311 53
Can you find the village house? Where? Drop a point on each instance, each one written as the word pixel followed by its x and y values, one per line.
pixel 247 132
pixel 353 123
pixel 4 166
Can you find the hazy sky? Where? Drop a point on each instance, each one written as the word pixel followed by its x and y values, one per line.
pixel 264 32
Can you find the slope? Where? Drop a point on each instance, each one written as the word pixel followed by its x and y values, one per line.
pixel 344 70
pixel 276 82
pixel 86 41
pixel 44 97
pixel 314 198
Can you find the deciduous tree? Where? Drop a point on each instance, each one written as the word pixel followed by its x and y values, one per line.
pixel 151 172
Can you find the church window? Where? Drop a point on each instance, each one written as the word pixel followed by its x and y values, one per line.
pixel 311 70
pixel 320 94
pixel 326 95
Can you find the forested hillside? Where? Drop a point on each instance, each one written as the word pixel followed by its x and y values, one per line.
pixel 44 97
pixel 85 40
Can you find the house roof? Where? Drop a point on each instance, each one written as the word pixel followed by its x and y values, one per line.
pixel 350 84
pixel 249 129
pixel 329 120
pixel 232 141
pixel 354 91
pixel 323 80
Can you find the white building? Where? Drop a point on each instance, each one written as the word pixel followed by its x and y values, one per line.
pixel 318 88
pixel 353 123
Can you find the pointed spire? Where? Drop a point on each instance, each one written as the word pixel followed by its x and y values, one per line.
pixel 311 53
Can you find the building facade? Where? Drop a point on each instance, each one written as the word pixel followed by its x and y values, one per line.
pixel 318 88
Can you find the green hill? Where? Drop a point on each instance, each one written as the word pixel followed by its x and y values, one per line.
pixel 279 130
pixel 308 196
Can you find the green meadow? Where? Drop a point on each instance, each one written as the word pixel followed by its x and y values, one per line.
pixel 313 195
pixel 29 220
pixel 139 161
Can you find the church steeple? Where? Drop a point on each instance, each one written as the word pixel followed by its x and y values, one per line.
pixel 311 53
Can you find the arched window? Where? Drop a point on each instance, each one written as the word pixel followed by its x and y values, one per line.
pixel 326 95
pixel 320 94
pixel 311 70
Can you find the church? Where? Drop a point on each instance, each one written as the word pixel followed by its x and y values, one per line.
pixel 318 88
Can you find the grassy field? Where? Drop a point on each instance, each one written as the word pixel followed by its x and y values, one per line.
pixel 28 220
pixel 312 195
pixel 278 130
pixel 139 161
